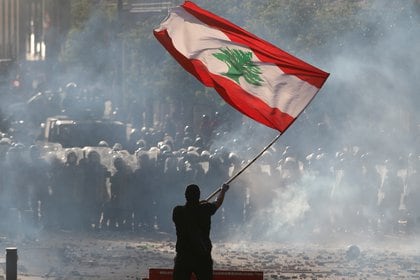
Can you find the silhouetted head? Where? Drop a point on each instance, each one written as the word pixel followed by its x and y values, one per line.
pixel 118 163
pixel 94 157
pixel 72 158
pixel 192 193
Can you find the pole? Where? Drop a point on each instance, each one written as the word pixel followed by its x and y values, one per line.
pixel 245 167
pixel 119 60
pixel 11 263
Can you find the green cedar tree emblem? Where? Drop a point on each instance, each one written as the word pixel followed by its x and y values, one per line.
pixel 240 64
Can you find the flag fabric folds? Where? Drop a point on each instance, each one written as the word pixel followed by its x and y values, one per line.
pixel 260 80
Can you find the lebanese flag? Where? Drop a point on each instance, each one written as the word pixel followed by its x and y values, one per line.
pixel 260 80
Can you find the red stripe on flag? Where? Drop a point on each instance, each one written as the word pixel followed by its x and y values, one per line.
pixel 250 105
pixel 264 50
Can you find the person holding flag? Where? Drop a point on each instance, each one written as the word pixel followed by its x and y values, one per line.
pixel 193 245
pixel 255 77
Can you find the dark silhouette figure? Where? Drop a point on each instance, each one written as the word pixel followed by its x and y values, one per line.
pixel 193 246
pixel 94 188
pixel 119 206
pixel 38 178
pixel 69 193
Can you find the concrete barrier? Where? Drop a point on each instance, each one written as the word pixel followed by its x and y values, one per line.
pixel 166 274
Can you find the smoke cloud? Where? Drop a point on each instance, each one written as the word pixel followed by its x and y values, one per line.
pixel 368 106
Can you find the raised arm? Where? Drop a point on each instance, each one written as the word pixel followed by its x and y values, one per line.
pixel 219 200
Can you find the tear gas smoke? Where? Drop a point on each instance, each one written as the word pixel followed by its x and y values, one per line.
pixel 369 102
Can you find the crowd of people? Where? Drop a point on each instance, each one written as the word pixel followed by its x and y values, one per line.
pixel 112 188
pixel 99 187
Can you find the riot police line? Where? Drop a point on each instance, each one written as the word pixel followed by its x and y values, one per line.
pixel 112 188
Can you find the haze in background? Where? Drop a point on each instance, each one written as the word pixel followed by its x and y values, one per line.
pixel 370 101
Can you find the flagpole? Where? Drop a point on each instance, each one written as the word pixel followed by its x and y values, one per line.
pixel 245 167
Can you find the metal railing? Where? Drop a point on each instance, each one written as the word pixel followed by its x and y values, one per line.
pixel 150 7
